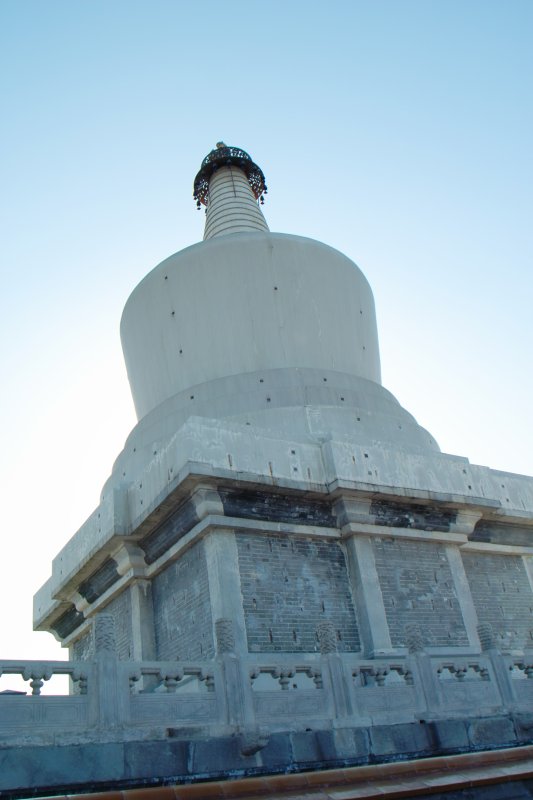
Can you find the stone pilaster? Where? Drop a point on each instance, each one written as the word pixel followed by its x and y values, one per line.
pixel 131 563
pixel 105 695
pixel 464 595
pixel 366 589
pixel 142 621
pixel 371 615
pixel 225 584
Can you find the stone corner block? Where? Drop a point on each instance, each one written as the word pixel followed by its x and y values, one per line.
pixel 491 731
pixel 277 751
pixel 400 739
pixel 523 723
pixel 216 756
pixel 162 759
pixel 449 734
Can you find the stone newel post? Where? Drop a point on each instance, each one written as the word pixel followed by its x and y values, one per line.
pixel 503 680
pixel 420 664
pixel 239 710
pixel 106 693
pixel 336 678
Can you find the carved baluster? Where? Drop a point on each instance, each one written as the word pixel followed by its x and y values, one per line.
pixel 79 677
pixel 367 672
pixel 36 685
pixel 26 674
pixel 37 676
pixel 381 674
pixel 316 676
pixel 357 676
pixel 171 683
pixel 134 677
pixel 255 672
pixel 171 679
pixel 209 678
pixel 284 676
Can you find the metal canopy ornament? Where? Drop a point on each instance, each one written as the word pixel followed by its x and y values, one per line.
pixel 226 156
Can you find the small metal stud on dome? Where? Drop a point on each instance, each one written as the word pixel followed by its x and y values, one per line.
pixel 223 156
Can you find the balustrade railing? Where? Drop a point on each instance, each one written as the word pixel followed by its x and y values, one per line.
pixel 170 677
pixel 37 673
pixel 246 690
pixel 382 674
pixel 287 676
pixel 463 671
pixel 521 668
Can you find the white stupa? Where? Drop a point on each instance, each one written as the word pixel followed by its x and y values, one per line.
pixel 277 520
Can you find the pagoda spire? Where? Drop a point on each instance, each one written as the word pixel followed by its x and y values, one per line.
pixel 231 187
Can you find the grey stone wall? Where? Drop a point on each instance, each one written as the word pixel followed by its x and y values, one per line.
pixel 83 648
pixel 182 612
pixel 120 609
pixel 290 585
pixel 502 596
pixel 417 586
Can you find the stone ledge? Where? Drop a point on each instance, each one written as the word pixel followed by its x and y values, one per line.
pixel 351 757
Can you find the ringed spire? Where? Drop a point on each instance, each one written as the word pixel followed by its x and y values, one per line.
pixel 231 187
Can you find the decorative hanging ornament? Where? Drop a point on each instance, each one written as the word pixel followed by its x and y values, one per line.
pixel 223 155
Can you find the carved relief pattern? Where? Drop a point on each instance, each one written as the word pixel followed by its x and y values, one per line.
pixel 225 636
pixel 327 637
pixel 104 634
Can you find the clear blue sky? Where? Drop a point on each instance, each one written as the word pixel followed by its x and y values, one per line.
pixel 398 131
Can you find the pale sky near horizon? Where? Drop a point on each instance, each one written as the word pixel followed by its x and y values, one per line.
pixel 397 131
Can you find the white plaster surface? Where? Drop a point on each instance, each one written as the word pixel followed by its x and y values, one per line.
pixel 232 206
pixel 244 303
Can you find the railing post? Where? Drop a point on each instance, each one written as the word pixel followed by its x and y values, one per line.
pixel 237 688
pixel 337 686
pixel 106 694
pixel 501 672
pixel 420 665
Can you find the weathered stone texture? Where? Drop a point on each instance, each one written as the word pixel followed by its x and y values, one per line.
pixel 418 587
pixel 290 585
pixel 169 532
pixel 83 648
pixel 499 533
pixel 120 610
pixel 502 596
pixel 400 515
pixel 68 622
pixel 104 577
pixel 283 508
pixel 182 611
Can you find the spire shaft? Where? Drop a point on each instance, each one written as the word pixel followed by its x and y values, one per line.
pixel 232 205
